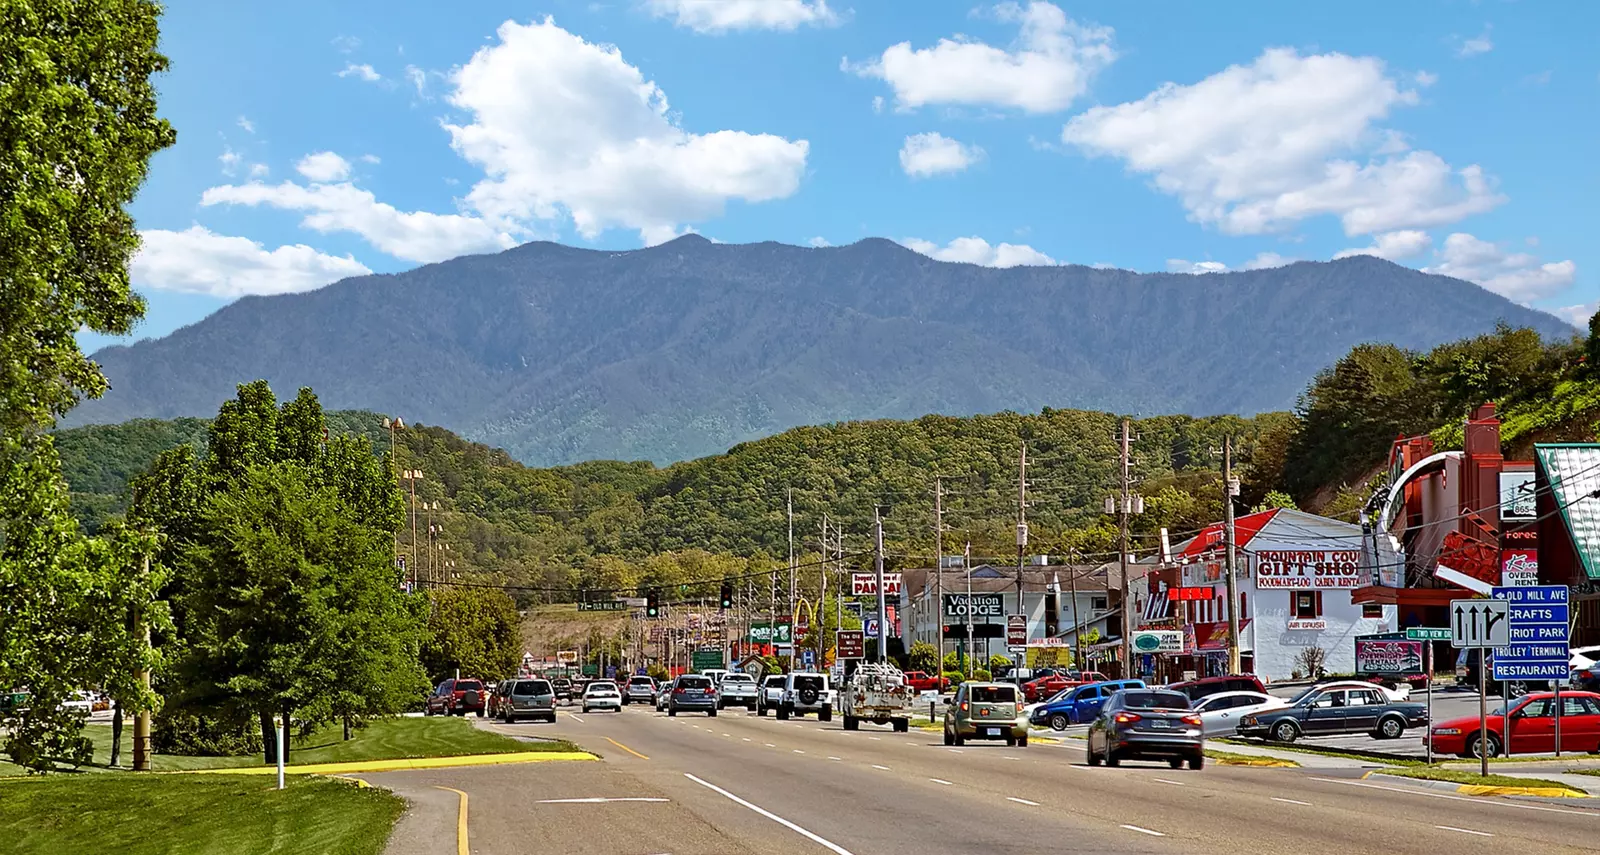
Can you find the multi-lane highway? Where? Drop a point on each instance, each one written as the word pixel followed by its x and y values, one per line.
pixel 742 784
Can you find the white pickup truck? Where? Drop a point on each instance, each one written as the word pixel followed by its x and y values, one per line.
pixel 879 694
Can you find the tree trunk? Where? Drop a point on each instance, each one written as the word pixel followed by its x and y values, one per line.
pixel 269 739
pixel 116 733
pixel 346 728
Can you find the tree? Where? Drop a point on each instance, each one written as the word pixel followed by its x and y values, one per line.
pixel 474 630
pixel 1274 499
pixel 924 657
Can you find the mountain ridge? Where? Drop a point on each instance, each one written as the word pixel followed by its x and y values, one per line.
pixel 562 353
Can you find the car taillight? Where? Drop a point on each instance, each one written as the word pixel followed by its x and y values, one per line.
pixel 1192 720
pixel 1127 717
pixel 1585 675
pixel 963 706
pixel 680 690
pixel 1020 708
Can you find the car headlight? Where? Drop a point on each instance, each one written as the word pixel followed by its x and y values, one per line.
pixel 1447 731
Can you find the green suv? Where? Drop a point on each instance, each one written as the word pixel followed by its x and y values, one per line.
pixel 985 711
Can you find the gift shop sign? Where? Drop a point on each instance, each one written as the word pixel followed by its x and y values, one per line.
pixel 1311 568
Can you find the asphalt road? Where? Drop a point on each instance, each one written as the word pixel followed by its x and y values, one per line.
pixel 742 784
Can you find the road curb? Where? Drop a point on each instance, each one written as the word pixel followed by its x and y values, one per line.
pixel 1479 789
pixel 403 765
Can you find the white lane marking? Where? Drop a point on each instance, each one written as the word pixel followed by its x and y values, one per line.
pixel 1291 801
pixel 1464 830
pixel 956 751
pixel 880 739
pixel 833 758
pixel 596 800
pixel 574 717
pixel 798 751
pixel 1021 801
pixel 1013 758
pixel 1504 804
pixel 747 739
pixel 1144 831
pixel 728 735
pixel 884 768
pixel 1173 783
pixel 941 781
pixel 815 838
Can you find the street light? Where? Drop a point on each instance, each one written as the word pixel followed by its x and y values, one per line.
pixel 413 475
pixel 392 425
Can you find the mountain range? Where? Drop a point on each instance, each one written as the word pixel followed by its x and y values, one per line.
pixel 560 354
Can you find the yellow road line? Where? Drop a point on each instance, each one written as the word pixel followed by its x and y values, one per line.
pixel 626 748
pixel 401 765
pixel 461 823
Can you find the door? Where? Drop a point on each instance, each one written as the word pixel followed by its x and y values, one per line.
pixel 1327 712
pixel 1584 724
pixel 1361 709
pixel 1533 728
pixel 1219 716
pixel 1086 704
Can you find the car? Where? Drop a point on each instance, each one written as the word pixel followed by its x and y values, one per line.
pixel 1467 663
pixel 1199 688
pixel 563 688
pixel 497 698
pixel 602 695
pixel 527 698
pixel 1397 692
pixel 1055 681
pixel 1335 708
pixel 457 697
pixel 640 688
pixel 1147 724
pixel 985 711
pixel 1220 713
pixel 663 693
pixel 1585 669
pixel 693 693
pixel 79 702
pixel 922 681
pixel 1077 705
pixel 806 692
pixel 715 674
pixel 737 690
pixel 1533 727
pixel 771 694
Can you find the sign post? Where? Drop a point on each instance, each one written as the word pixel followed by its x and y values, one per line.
pixel 1480 625
pixel 1427 635
pixel 1540 629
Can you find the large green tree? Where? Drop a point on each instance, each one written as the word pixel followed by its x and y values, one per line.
pixel 473 630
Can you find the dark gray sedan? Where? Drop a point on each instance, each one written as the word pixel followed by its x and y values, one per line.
pixel 1147 724
pixel 692 693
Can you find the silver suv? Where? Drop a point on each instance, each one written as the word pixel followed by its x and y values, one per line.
pixel 806 692
pixel 771 694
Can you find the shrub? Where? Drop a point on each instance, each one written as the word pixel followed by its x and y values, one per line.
pixel 981 675
pixel 954 678
pixel 182 732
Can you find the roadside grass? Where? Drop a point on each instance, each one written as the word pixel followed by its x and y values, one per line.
pixel 384 739
pixel 1459 776
pixel 1328 752
pixel 1228 758
pixel 194 815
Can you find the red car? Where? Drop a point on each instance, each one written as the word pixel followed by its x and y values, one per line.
pixel 1533 727
pixel 457 697
pixel 922 681
pixel 1048 686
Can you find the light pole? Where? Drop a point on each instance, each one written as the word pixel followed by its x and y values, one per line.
pixel 413 475
pixel 392 425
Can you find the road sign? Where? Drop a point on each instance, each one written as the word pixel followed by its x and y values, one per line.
pixel 1428 633
pixel 707 657
pixel 871 625
pixel 566 657
pixel 851 644
pixel 603 606
pixel 808 658
pixel 1479 623
pixel 1158 641
pixel 978 605
pixel 1539 618
pixel 1016 630
pixel 866 584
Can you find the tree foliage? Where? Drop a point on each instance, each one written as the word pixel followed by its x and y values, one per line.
pixel 474 630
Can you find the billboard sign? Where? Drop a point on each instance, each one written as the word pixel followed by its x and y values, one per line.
pixel 980 606
pixel 1388 656
pixel 851 644
pixel 1016 630
pixel 1517 496
pixel 1519 568
pixel 866 584
pixel 1308 568
pixel 761 633
pixel 1158 641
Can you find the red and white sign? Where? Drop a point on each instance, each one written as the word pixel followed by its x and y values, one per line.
pixel 866 584
pixel 1311 568
pixel 1519 568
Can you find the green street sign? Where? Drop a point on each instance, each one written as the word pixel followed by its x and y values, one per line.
pixel 707 657
pixel 1428 633
pixel 603 606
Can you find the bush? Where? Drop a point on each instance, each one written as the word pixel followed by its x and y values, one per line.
pixel 659 673
pixel 181 732
pixel 954 678
pixel 923 657
pixel 981 675
pixel 999 664
pixel 954 662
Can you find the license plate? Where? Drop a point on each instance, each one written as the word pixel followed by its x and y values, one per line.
pixel 991 731
pixel 1161 723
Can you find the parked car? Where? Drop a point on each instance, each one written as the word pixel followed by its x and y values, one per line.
pixel 1147 724
pixel 1395 692
pixel 1078 705
pixel 80 702
pixel 1533 727
pixel 602 695
pixel 1220 713
pixel 737 690
pixel 985 711
pixel 693 693
pixel 563 688
pixel 532 698
pixel 1585 669
pixel 771 694
pixel 640 689
pixel 922 681
pixel 1197 689
pixel 457 697
pixel 1467 663
pixel 1339 708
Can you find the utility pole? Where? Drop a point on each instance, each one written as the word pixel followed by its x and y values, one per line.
pixel 1230 488
pixel 1022 532
pixel 822 597
pixel 141 721
pixel 938 565
pixel 1077 633
pixel 793 649
pixel 877 570
pixel 966 564
pixel 1124 506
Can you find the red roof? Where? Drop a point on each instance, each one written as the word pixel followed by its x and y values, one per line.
pixel 1245 528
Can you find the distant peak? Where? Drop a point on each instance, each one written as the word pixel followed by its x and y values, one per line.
pixel 687 240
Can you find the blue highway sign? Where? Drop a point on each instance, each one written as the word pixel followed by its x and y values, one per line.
pixel 1540 621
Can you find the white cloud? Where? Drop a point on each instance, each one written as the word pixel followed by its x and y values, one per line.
pixel 362 71
pixel 1425 79
pixel 197 261
pixel 259 170
pixel 1257 148
pixel 1266 260
pixel 819 241
pixel 248 126
pixel 877 103
pixel 1407 243
pixel 720 16
pixel 976 250
pixel 561 125
pixel 346 44
pixel 932 154
pixel 1044 71
pixel 1578 315
pixel 411 235
pixel 1184 265
pixel 230 160
pixel 1516 275
pixel 323 166
pixel 370 158
pixel 1477 45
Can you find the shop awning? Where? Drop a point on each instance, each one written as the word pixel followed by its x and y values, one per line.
pixel 1212 637
pixel 1573 471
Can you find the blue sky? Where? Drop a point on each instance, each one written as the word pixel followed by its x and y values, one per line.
pixel 321 140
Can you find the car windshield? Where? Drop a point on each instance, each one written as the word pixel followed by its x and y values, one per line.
pixel 640 681
pixel 1140 700
pixel 693 683
pixel 597 688
pixel 531 687
pixel 469 685
pixel 738 678
pixel 994 695
pixel 774 682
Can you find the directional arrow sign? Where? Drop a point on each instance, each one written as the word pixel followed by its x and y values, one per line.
pixel 1479 623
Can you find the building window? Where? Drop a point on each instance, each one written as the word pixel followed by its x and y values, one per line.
pixel 1097 604
pixel 1372 610
pixel 1306 605
pixel 1244 606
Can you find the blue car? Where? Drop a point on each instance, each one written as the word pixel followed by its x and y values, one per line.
pixel 1078 705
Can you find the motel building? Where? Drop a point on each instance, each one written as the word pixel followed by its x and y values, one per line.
pixel 1295 574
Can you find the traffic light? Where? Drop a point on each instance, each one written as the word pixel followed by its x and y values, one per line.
pixel 652 608
pixel 727 596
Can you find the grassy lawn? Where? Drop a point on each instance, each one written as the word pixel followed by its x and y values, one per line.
pixel 1459 776
pixel 1303 748
pixel 193 814
pixel 386 739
